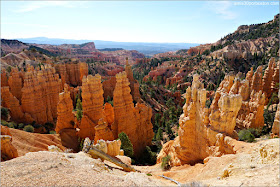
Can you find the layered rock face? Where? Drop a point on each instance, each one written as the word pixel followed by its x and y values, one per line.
pixel 135 122
pixel 201 134
pixel 65 117
pixel 93 101
pixel 72 73
pixel 32 95
pixel 65 125
pixel 106 122
pixel 4 78
pixel 16 83
pixel 40 94
pixel 245 49
pixel 134 85
pixel 109 87
pixel 102 131
pixel 11 102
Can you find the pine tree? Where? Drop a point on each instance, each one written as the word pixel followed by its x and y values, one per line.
pixel 159 134
pixel 126 145
pixel 79 104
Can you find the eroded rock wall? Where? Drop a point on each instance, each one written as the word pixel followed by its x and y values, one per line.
pixel 203 132
pixel 92 96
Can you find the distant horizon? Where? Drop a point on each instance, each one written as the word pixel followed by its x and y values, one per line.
pixel 196 22
pixel 101 40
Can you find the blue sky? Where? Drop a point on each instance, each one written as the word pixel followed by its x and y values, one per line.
pixel 130 21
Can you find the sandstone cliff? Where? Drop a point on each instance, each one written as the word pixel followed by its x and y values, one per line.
pixel 132 121
pixel 72 73
pixel 4 78
pixel 40 94
pixel 32 95
pixel 16 82
pixel 65 117
pixel 134 85
pixel 201 134
pixel 92 96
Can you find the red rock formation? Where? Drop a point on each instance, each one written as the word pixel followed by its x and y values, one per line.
pixel 275 79
pixel 11 102
pixel 253 99
pixel 26 142
pixel 199 49
pixel 244 49
pixel 109 86
pixel 123 107
pixel 8 151
pixel 40 94
pixel 134 85
pixel 144 130
pixel 61 70
pixel 201 134
pixel 268 77
pixel 102 131
pixel 132 121
pixel 72 73
pixel 4 78
pixel 92 96
pixel 65 117
pixel 165 71
pixel 109 113
pixel 16 82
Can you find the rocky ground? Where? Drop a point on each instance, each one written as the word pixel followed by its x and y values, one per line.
pixel 255 164
pixel 45 168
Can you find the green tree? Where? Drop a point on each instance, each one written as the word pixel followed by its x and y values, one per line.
pixel 246 135
pixel 165 162
pixel 168 128
pixel 79 104
pixel 28 128
pixel 79 115
pixel 4 112
pixel 157 117
pixel 159 134
pixel 126 145
pixel 148 157
pixel 169 103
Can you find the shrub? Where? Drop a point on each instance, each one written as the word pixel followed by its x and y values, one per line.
pixel 52 132
pixel 79 104
pixel 79 115
pixel 256 132
pixel 126 145
pixel 49 126
pixel 20 126
pixel 148 157
pixel 4 123
pixel 28 128
pixel 165 163
pixel 246 135
pixel 4 112
pixel 13 125
pixel 159 134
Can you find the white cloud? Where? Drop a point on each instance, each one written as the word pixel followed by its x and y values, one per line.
pixel 31 6
pixel 222 8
